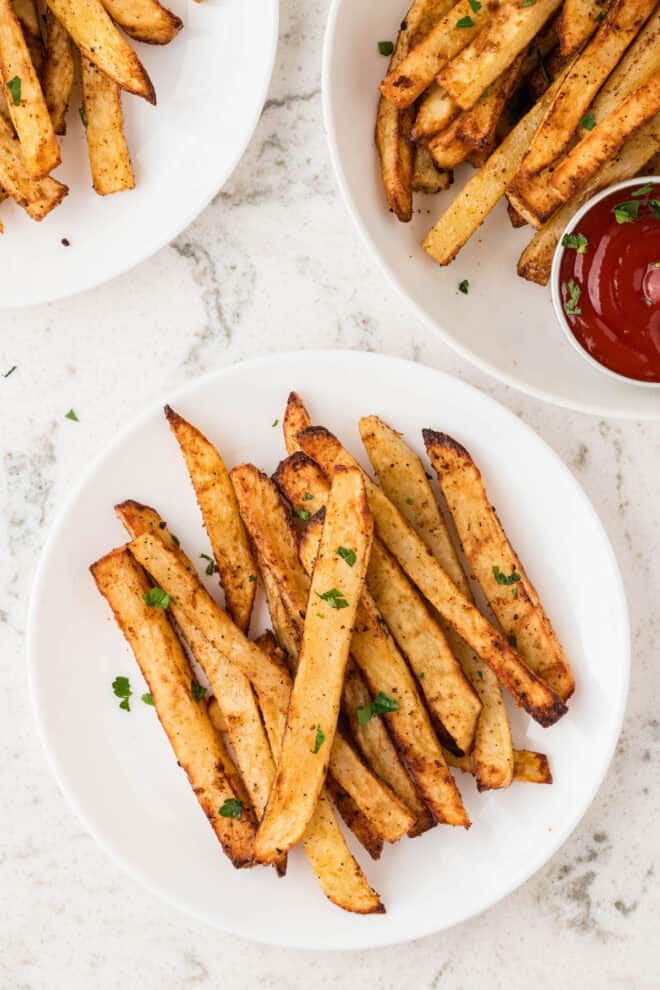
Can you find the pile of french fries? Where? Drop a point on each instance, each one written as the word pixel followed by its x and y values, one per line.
pixel 380 674
pixel 550 100
pixel 41 52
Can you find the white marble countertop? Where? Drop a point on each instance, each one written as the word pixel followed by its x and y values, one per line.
pixel 274 264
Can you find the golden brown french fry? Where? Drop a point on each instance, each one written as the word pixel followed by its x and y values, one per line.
pixel 477 127
pixel 578 19
pixel 109 161
pixel 354 818
pixel 528 767
pixel 145 20
pixel 408 80
pixel 98 39
pixel 222 519
pixel 231 770
pixel 427 178
pixel 314 706
pixel 404 481
pixel 57 73
pixel 479 64
pixel 25 98
pixel 622 23
pixel 164 666
pixel 471 206
pixel 446 150
pixel 294 421
pixel 37 196
pixel 497 568
pixel 28 15
pixel 436 111
pixel 537 698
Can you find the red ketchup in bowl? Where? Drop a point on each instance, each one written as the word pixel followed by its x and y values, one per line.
pixel 609 281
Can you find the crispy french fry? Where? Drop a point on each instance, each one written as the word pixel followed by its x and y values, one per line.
pixel 427 178
pixel 57 73
pixel 37 196
pixel 354 818
pixel 496 567
pixel 578 19
pixel 528 767
pixel 408 80
pixel 404 481
pixel 314 706
pixel 231 770
pixel 98 39
pixel 25 99
pixel 537 698
pixel 162 661
pixel 436 111
pixel 222 519
pixel 446 150
pixel 294 421
pixel 622 23
pixel 145 20
pixel 477 66
pixel 109 160
pixel 477 127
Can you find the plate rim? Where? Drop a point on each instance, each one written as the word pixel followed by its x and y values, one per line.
pixel 328 942
pixel 200 204
pixel 435 326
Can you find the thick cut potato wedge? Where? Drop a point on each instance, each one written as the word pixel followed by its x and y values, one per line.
pixel 98 39
pixel 109 160
pixel 222 519
pixel 144 20
pixel 436 112
pixel 314 706
pixel 294 421
pixel 480 195
pixel 165 668
pixel 577 21
pixel 563 116
pixel 413 74
pixel 496 566
pixel 537 698
pixel 404 481
pixel 25 98
pixel 37 196
pixel 528 767
pixel 606 139
pixel 508 33
pixel 58 73
pixel 427 178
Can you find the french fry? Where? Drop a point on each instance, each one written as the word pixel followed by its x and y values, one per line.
pixel 164 666
pixel 478 65
pixel 294 421
pixel 404 481
pixel 314 706
pixel 222 519
pixel 578 19
pixel 58 73
pixel 606 139
pixel 436 112
pixel 427 178
pixel 537 698
pixel 535 262
pixel 528 767
pixel 477 127
pixel 408 80
pixel 98 39
pixel 109 160
pixel 446 150
pixel 622 23
pixel 231 770
pixel 37 196
pixel 25 99
pixel 145 20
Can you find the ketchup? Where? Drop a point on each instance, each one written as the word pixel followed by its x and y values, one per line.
pixel 610 283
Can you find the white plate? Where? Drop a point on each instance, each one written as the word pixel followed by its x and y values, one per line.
pixel 118 769
pixel 211 82
pixel 506 326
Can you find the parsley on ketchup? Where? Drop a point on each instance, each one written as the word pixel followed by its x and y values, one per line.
pixel 610 285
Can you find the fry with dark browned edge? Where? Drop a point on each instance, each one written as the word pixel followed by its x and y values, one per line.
pixel 145 20
pixel 58 72
pixel 109 161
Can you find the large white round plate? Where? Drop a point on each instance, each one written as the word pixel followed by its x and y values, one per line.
pixel 505 325
pixel 211 83
pixel 117 768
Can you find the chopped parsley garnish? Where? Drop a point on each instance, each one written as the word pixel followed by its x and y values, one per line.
pixel 600 16
pixel 514 592
pixel 307 497
pixel 71 415
pixel 211 567
pixel 505 578
pixel 10 372
pixel 319 739
pixel 334 598
pixel 513 641
pixel 480 675
pixel 643 190
pixel 83 116
pixel 576 241
pixel 231 808
pixel 14 87
pixel 475 6
pixel 122 689
pixel 148 699
pixel 410 501
pixel 574 293
pixel 274 423
pixel 251 578
pixel 347 554
pixel 197 690
pixel 465 22
pixel 654 207
pixel 588 122
pixel 464 287
pixel 385 47
pixel 528 3
pixel 157 598
pixel 626 212
pixel 420 674
pixel 381 705
pixel 302 514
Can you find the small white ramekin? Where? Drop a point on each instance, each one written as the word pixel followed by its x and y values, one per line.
pixel 554 278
